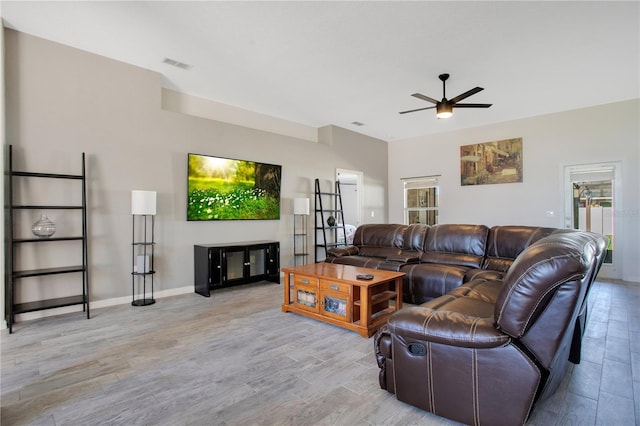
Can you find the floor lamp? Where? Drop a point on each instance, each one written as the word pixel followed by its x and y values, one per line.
pixel 143 210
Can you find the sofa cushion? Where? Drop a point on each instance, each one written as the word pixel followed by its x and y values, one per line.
pixel 537 273
pixel 425 281
pixel 480 289
pixel 463 317
pixel 451 244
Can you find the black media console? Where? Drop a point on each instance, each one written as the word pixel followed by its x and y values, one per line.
pixel 225 265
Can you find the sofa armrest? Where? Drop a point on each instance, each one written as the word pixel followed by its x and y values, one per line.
pixel 403 258
pixel 382 348
pixel 395 262
pixel 382 345
pixel 446 327
pixel 342 251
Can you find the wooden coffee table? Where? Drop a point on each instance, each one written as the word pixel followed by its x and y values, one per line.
pixel 332 293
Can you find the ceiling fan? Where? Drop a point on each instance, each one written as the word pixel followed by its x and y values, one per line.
pixel 444 108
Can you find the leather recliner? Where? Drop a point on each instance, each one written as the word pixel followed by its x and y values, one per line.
pixel 486 351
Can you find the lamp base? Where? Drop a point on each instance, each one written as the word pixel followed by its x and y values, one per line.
pixel 143 302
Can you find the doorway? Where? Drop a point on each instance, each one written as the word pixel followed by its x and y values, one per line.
pixel 351 190
pixel 592 196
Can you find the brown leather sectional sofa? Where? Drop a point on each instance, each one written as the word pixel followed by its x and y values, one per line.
pixel 500 313
pixel 437 259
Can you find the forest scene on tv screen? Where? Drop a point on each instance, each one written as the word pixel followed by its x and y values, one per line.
pixel 228 189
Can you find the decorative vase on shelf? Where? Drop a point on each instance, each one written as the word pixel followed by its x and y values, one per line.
pixel 44 227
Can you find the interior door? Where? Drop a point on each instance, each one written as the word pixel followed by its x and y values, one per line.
pixel 592 198
pixel 351 190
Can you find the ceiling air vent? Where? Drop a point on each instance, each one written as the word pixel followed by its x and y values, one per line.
pixel 175 63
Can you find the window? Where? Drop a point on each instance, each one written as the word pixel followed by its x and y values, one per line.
pixel 421 200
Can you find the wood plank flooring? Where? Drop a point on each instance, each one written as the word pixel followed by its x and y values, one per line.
pixel 236 359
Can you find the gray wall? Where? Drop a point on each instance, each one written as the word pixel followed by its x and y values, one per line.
pixel 62 101
pixel 606 133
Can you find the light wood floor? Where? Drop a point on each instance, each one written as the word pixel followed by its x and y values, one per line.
pixel 236 359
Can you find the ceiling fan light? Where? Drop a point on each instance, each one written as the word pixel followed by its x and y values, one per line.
pixel 444 111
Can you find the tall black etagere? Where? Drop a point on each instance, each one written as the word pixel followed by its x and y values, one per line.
pixel 328 204
pixel 14 276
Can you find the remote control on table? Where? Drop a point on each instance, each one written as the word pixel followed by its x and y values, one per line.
pixel 364 276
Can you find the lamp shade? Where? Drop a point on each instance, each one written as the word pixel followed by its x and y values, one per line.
pixel 301 206
pixel 143 202
pixel 444 110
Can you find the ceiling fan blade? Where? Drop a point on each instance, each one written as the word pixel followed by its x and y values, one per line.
pixel 471 105
pixel 425 98
pixel 465 95
pixel 414 110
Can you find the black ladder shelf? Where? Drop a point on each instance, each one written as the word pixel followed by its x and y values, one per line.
pixel 328 204
pixel 14 275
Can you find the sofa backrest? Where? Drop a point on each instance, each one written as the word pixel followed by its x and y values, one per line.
pixel 601 242
pixel 455 244
pixel 379 240
pixel 505 243
pixel 544 289
pixel 414 237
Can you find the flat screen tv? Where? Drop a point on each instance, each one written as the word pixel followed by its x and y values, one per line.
pixel 228 189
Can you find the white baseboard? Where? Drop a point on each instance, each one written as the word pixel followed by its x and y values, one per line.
pixel 96 305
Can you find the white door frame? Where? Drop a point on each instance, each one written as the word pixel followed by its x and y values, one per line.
pixel 359 176
pixel 608 270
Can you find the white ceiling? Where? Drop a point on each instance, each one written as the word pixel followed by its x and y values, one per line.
pixel 329 62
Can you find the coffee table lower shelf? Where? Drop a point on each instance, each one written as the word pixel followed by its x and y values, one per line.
pixel 332 294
